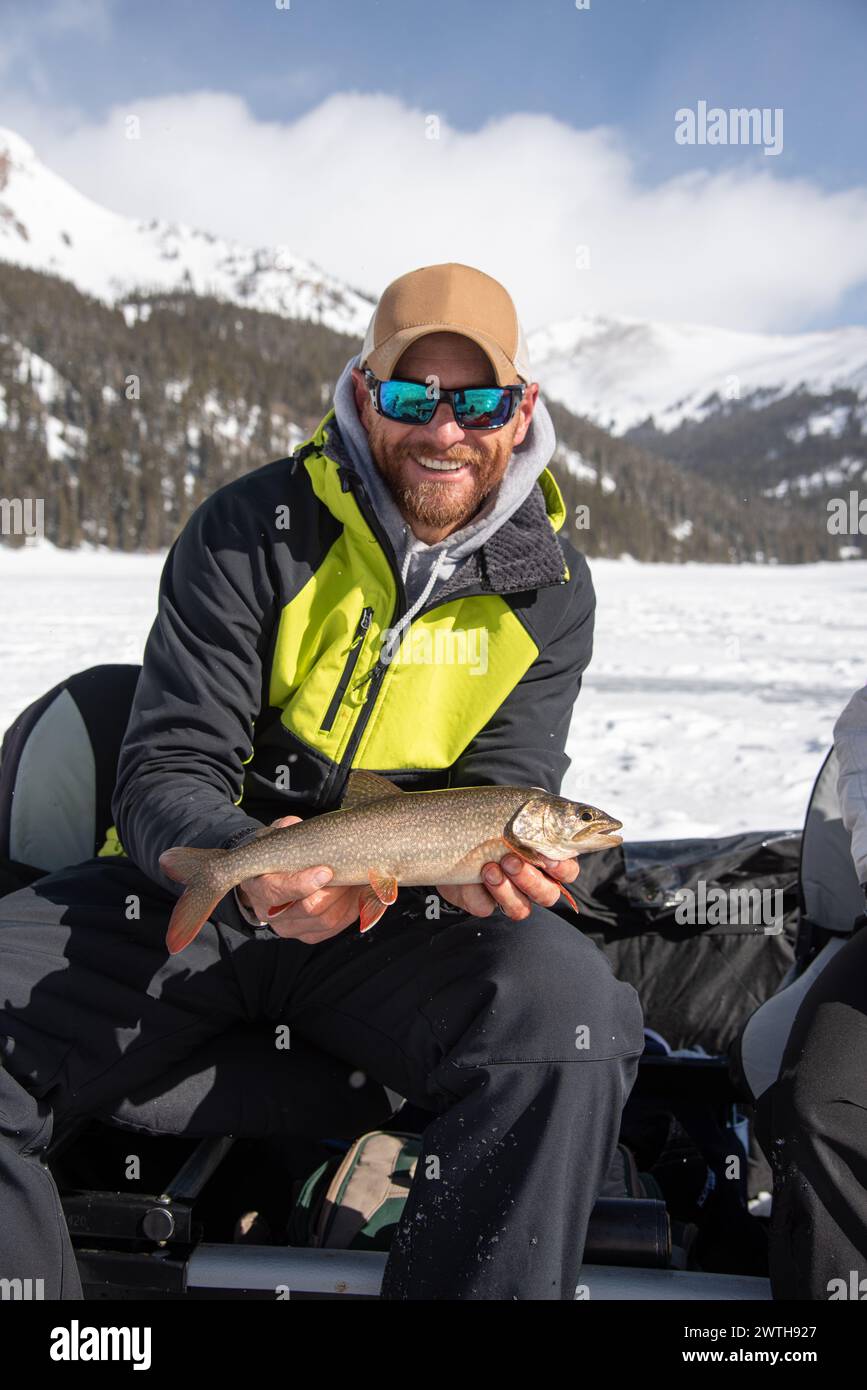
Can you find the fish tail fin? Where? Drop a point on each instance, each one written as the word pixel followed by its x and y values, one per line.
pixel 194 867
pixel 189 915
pixel 183 864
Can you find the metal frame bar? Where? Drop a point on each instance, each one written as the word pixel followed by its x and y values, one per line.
pixel 359 1273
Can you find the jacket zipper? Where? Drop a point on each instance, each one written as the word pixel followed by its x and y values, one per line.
pixel 350 665
pixel 468 592
pixel 350 482
pixel 337 778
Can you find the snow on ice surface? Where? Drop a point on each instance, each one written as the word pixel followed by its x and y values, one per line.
pixel 713 691
pixel 707 708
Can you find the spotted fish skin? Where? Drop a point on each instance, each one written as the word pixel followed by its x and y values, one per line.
pixel 382 837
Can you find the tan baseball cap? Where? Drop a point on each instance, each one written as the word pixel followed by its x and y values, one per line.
pixel 450 298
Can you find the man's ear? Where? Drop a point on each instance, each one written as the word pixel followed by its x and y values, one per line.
pixel 362 395
pixel 525 413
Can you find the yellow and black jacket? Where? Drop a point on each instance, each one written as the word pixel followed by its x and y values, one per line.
pixel 264 679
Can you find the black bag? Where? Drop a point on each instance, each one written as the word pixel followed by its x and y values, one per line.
pixel 697 984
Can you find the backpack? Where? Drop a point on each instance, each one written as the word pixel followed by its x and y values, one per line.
pixel 354 1200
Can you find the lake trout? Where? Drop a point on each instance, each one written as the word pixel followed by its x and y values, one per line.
pixel 382 837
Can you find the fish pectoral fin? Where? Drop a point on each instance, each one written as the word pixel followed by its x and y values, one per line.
pixel 566 894
pixel 522 854
pixel 383 885
pixel 370 908
pixel 373 901
pixel 363 787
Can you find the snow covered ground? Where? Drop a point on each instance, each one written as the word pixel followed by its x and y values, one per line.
pixel 707 708
pixel 713 691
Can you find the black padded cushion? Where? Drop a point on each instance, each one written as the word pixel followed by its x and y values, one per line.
pixel 76 729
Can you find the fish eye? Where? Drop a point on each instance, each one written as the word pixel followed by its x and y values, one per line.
pixel 586 815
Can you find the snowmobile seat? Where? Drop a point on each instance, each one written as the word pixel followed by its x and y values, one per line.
pixel 831 908
pixel 58 765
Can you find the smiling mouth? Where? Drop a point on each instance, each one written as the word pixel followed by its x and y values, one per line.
pixel 434 465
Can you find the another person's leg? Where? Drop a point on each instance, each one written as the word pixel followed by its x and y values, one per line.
pixel 812 1124
pixel 91 1008
pixel 520 1038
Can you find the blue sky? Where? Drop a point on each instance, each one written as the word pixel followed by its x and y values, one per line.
pixel 622 66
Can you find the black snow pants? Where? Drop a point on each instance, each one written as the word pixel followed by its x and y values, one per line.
pixel 515 1035
pixel 812 1125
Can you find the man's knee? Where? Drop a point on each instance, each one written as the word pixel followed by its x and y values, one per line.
pixel 542 991
pixel 574 1004
pixel 822 1082
pixel 25 1122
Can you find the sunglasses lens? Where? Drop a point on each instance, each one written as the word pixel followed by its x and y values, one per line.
pixel 484 407
pixel 477 408
pixel 406 401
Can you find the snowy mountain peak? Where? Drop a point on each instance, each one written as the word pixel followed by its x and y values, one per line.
pixel 47 225
pixel 15 149
pixel 615 370
pixel 618 371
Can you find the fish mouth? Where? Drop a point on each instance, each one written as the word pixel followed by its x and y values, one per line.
pixel 602 840
pixel 602 835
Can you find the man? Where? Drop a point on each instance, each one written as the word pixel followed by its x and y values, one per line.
pixel 298 612
pixel 812 1122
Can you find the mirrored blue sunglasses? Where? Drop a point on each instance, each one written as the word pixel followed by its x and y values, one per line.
pixel 415 402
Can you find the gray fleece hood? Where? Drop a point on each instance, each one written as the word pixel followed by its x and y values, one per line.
pixel 425 568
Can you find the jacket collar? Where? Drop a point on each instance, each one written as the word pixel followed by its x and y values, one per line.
pixel 523 553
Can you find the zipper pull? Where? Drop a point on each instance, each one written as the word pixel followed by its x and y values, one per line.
pixel 361 628
pixel 362 680
pixel 359 635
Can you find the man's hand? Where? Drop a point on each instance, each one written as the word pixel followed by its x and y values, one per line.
pixel 514 891
pixel 316 913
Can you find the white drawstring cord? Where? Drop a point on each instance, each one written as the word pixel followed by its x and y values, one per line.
pixel 390 646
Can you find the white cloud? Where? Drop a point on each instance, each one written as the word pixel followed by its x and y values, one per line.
pixel 355 185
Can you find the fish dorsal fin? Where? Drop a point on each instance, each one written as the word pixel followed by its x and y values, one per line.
pixel 366 786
